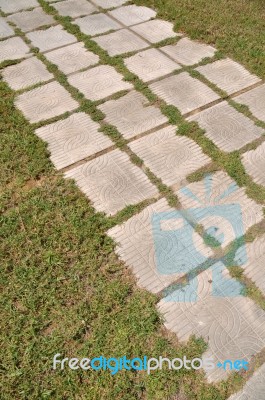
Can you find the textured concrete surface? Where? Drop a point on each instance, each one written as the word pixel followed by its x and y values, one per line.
pixel 227 128
pixel 13 6
pixel 131 15
pixel 120 42
pixel 255 266
pixel 150 64
pixel 184 92
pixel 255 100
pixel 224 192
pixel 254 389
pixel 132 115
pixel 254 163
pixel 13 48
pixel 45 102
pixel 169 157
pixel 73 139
pixel 26 73
pixel 136 247
pixel 109 3
pixel 30 20
pixel 5 29
pixel 50 38
pixel 97 24
pixel 72 58
pixel 99 82
pixel 189 52
pixel 233 327
pixel 112 182
pixel 228 75
pixel 74 8
pixel 156 30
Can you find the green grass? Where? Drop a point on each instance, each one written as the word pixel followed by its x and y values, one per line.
pixel 63 288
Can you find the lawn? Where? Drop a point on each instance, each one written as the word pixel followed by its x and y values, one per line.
pixel 63 289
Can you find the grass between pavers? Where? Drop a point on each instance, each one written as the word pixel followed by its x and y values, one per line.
pixel 64 291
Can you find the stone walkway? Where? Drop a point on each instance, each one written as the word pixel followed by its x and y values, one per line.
pixel 160 243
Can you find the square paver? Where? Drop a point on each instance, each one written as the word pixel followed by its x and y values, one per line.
pixel 150 64
pixel 30 20
pixel 184 92
pixel 112 182
pixel 25 74
pixel 147 247
pixel 72 58
pixel 99 82
pixel 13 48
pixel 120 42
pixel 202 206
pixel 254 163
pixel 50 38
pixel 97 24
pixel 45 102
pixel 74 8
pixel 131 15
pixel 254 267
pixel 132 114
pixel 5 29
pixel 72 139
pixel 171 158
pixel 233 327
pixel 254 388
pixel 227 128
pixel 156 30
pixel 228 75
pixel 255 100
pixel 13 6
pixel 109 3
pixel 188 52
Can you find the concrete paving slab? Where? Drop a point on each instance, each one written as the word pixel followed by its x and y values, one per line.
pixel 132 14
pixel 184 92
pixel 50 38
pixel 13 48
pixel 189 52
pixel 254 163
pixel 13 6
pixel 25 74
pixel 74 8
pixel 228 75
pixel 254 388
pixel 227 128
pixel 112 182
pixel 96 24
pixel 30 20
pixel 109 3
pixel 255 100
pixel 156 30
pixel 99 82
pixel 72 139
pixel 238 214
pixel 132 114
pixel 144 247
pixel 233 326
pixel 170 157
pixel 254 268
pixel 5 29
pixel 72 58
pixel 120 42
pixel 150 64
pixel 45 102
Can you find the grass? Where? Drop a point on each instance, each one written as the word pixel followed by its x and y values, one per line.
pixel 64 290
